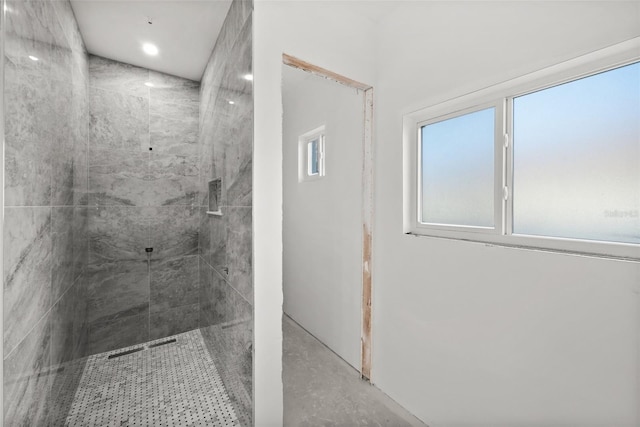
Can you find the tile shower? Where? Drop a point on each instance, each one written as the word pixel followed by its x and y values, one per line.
pixel 107 242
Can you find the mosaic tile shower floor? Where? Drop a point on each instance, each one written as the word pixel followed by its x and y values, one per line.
pixel 172 384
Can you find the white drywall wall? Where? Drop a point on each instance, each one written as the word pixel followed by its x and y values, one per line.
pixel 322 229
pixel 320 33
pixel 467 334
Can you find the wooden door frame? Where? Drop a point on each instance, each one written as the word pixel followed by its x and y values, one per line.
pixel 367 199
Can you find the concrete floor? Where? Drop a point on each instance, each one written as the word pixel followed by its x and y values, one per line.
pixel 321 389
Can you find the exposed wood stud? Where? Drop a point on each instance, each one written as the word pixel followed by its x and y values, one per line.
pixel 322 72
pixel 367 198
pixel 367 222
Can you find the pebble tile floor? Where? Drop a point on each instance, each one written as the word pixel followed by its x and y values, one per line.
pixel 172 384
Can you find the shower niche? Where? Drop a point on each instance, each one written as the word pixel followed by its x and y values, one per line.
pixel 215 197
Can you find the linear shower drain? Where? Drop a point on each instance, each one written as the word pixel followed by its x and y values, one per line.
pixel 124 353
pixel 144 347
pixel 158 344
pixel 176 384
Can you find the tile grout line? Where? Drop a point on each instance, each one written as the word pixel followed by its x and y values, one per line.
pixel 125 93
pixel 226 280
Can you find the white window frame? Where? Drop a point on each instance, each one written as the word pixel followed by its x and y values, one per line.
pixel 501 97
pixel 304 155
pixel 498 163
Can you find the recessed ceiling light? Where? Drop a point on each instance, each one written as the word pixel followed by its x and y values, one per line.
pixel 150 49
pixel 231 102
pixel 248 77
pixel 148 84
pixel 33 58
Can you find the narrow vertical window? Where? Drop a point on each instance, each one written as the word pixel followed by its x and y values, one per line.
pixel 311 155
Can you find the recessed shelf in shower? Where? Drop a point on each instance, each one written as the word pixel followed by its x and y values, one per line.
pixel 215 197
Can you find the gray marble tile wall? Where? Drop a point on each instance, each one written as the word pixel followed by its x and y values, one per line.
pixel 143 186
pixel 45 230
pixel 225 242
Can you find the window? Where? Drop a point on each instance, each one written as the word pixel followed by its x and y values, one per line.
pixel 576 154
pixel 550 160
pixel 311 155
pixel 457 170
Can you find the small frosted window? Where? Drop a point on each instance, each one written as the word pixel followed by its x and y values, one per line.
pixel 312 150
pixel 457 170
pixel 577 159
pixel 311 155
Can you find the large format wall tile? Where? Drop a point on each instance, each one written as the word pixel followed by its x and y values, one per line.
pixel 26 380
pixel 174 283
pixel 118 333
pixel 118 177
pixel 239 13
pixel 218 236
pixel 143 177
pixel 118 120
pixel 174 296
pixel 81 317
pixel 173 231
pixel 213 239
pixel 27 271
pixel 239 251
pixel 173 321
pixel 118 304
pixel 118 233
pixel 172 180
pixel 173 89
pixel 80 242
pixel 118 289
pixel 238 155
pixel 61 319
pixel 212 155
pixel 80 137
pixel 219 302
pixel 118 77
pixel 69 26
pixel 62 144
pixel 173 126
pixel 28 164
pixel 46 172
pixel 239 140
pixel 204 240
pixel 29 31
pixel 62 242
pixel 226 150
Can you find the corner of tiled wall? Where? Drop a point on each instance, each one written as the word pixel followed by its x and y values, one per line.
pixel 225 244
pixel 45 240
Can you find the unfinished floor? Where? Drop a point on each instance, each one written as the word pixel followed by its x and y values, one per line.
pixel 321 389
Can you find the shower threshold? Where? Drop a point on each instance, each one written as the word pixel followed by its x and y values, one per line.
pixel 171 381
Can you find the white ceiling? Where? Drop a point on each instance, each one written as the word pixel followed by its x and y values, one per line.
pixel 184 31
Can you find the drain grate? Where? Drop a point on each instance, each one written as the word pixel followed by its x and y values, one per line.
pixel 145 347
pixel 158 344
pixel 164 385
pixel 124 353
